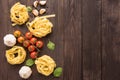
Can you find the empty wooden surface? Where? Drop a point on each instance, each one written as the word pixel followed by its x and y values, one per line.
pixel 86 34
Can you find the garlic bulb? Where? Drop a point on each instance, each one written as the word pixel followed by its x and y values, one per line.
pixel 9 40
pixel 25 72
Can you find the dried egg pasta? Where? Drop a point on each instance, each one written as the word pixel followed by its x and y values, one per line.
pixel 18 14
pixel 16 55
pixel 45 65
pixel 40 26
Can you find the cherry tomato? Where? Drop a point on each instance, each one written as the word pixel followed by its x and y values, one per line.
pixel 33 40
pixel 26 43
pixel 28 35
pixel 20 39
pixel 17 33
pixel 33 55
pixel 39 44
pixel 31 48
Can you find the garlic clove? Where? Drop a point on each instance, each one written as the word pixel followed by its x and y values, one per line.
pixel 35 4
pixel 42 11
pixel 43 2
pixel 35 12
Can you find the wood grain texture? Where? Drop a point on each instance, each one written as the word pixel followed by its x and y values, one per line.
pixel 3 31
pixel 111 39
pixel 91 18
pixel 72 40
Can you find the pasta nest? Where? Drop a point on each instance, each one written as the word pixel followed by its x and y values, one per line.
pixel 40 27
pixel 45 65
pixel 18 14
pixel 16 55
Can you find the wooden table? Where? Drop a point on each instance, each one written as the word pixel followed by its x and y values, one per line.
pixel 86 34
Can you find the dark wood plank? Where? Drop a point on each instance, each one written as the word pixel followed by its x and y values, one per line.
pixel 111 39
pixel 4 28
pixel 72 40
pixel 91 27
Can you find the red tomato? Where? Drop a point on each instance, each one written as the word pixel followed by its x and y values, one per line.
pixel 33 40
pixel 28 35
pixel 21 39
pixel 26 43
pixel 17 33
pixel 39 44
pixel 31 48
pixel 33 55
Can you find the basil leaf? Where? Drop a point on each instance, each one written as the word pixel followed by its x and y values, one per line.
pixel 51 45
pixel 29 9
pixel 29 62
pixel 57 72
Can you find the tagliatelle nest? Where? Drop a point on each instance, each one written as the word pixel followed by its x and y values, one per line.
pixel 40 26
pixel 18 14
pixel 45 65
pixel 16 55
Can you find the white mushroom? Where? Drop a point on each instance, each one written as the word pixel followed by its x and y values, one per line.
pixel 25 72
pixel 9 40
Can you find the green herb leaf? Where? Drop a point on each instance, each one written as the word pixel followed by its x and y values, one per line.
pixel 29 62
pixel 57 72
pixel 51 45
pixel 29 9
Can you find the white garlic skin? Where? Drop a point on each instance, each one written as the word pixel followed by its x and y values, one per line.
pixel 42 3
pixel 35 4
pixel 35 12
pixel 9 40
pixel 42 11
pixel 25 72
